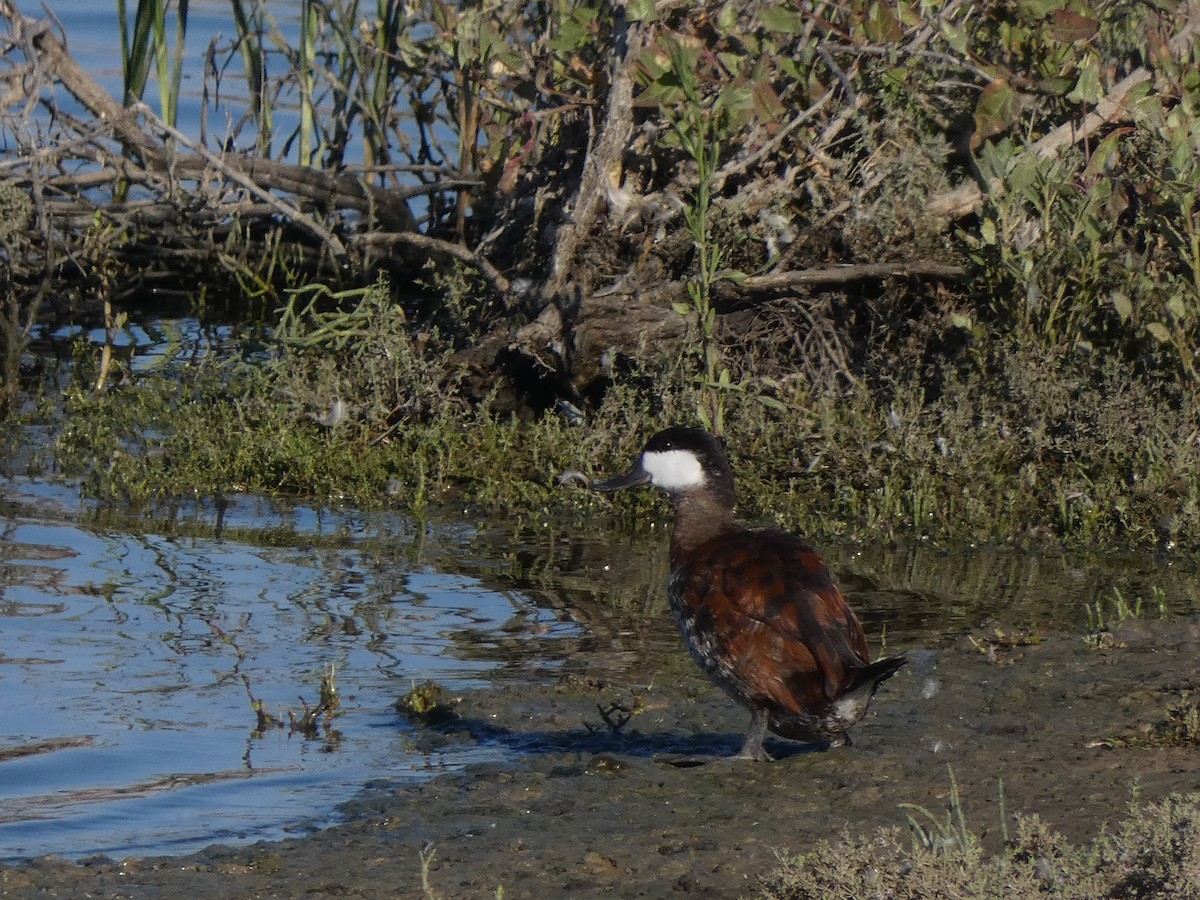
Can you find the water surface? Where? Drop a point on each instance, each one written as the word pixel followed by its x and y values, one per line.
pixel 128 662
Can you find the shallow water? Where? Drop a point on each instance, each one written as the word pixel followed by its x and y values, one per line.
pixel 129 657
pixel 128 660
pixel 130 650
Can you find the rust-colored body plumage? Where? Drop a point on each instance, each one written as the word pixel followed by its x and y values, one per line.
pixel 758 609
pixel 762 616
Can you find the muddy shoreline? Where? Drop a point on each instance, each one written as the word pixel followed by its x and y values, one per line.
pixel 654 809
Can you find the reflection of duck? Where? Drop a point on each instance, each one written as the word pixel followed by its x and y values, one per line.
pixel 758 608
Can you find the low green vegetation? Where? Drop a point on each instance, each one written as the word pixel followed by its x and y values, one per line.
pixel 1179 726
pixel 427 704
pixel 1154 852
pixel 1113 610
pixel 368 426
pixel 1043 447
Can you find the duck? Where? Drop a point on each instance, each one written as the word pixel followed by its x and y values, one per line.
pixel 758 608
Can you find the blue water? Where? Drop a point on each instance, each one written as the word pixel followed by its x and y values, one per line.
pixel 129 656
pixel 127 663
pixel 93 37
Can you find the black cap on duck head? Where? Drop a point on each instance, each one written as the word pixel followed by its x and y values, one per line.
pixel 679 460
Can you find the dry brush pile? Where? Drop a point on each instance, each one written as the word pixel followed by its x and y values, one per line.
pixel 855 164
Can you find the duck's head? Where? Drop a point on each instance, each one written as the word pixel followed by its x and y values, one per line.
pixel 679 460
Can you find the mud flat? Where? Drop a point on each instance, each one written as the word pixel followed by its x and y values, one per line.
pixel 654 809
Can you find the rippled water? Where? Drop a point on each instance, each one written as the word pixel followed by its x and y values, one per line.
pixel 130 652
pixel 128 660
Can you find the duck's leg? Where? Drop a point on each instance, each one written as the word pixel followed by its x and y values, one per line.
pixel 752 746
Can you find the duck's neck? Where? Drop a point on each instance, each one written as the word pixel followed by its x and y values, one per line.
pixel 699 516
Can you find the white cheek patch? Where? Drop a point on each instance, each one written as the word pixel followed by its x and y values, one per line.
pixel 673 470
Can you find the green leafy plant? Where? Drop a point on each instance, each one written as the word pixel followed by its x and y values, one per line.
pixel 147 43
pixel 700 128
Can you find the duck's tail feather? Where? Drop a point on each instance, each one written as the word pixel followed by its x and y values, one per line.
pixel 878 672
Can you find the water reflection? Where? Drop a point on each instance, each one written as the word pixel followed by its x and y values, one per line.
pixel 918 593
pixel 129 659
pixel 128 662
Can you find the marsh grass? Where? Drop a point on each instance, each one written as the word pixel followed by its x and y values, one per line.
pixel 145 45
pixel 1049 400
pixel 1154 852
pixel 312 722
pixel 1114 609
pixel 17 317
pixel 427 857
pixel 345 402
pixel 949 838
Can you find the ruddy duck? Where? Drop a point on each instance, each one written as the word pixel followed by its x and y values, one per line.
pixel 758 608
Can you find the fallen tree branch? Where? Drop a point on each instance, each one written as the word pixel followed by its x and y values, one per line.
pixel 388 206
pixel 842 274
pixel 288 210
pixel 46 51
pixel 490 273
pixel 732 287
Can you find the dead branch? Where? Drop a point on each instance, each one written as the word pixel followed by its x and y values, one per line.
pixel 490 273
pixel 49 54
pixel 603 162
pixel 263 178
pixel 739 167
pixel 777 282
pixel 287 210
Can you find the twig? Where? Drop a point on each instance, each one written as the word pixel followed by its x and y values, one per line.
pixel 48 53
pixel 490 273
pixel 287 210
pixel 739 166
pixel 778 281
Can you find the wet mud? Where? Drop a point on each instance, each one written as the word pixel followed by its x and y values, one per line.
pixel 652 807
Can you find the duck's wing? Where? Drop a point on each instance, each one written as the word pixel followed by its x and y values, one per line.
pixel 776 615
